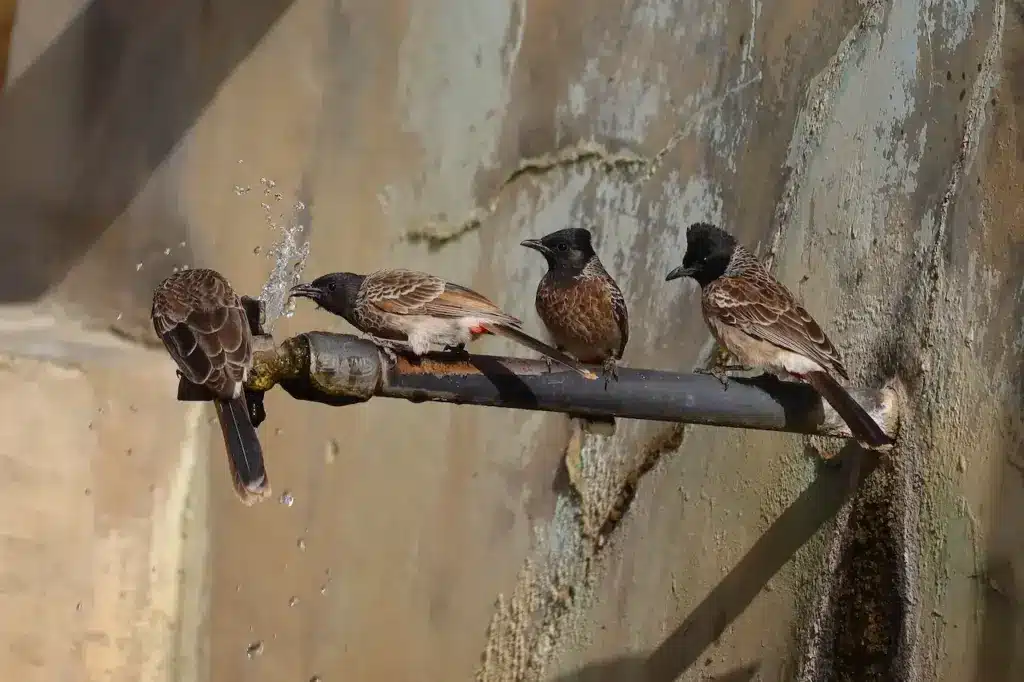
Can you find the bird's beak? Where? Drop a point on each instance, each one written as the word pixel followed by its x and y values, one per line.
pixel 677 273
pixel 303 291
pixel 536 245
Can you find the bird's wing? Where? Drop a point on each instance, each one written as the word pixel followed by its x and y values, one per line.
pixel 621 314
pixel 204 328
pixel 406 292
pixel 400 292
pixel 763 308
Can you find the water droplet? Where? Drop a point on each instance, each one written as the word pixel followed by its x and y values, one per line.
pixel 278 431
pixel 240 161
pixel 138 266
pixel 294 601
pixel 323 589
pixel 301 544
pixel 287 499
pixel 185 267
pixel 240 190
pixel 181 245
pixel 255 649
pixel 119 316
pixel 316 678
pixel 175 269
pixel 167 251
pixel 256 251
pixel 333 450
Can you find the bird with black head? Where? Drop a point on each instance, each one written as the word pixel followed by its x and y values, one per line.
pixel 760 322
pixel 580 304
pixel 412 311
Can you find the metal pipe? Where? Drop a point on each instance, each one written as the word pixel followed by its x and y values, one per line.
pixel 340 369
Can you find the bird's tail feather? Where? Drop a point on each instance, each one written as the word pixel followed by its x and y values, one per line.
pixel 525 339
pixel 245 456
pixel 862 426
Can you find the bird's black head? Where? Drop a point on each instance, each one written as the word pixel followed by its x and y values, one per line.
pixel 335 292
pixel 708 252
pixel 569 248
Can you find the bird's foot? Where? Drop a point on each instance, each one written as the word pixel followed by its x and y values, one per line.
pixel 390 354
pixel 716 371
pixel 549 363
pixel 610 370
pixel 389 346
pixel 724 372
pixel 458 350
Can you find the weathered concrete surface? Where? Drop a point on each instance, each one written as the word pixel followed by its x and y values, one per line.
pixel 101 564
pixel 868 148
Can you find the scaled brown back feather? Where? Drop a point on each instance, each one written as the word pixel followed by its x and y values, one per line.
pixel 204 328
pixel 764 309
pixel 407 292
pixel 621 313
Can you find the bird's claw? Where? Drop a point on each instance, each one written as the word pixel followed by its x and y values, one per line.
pixel 547 361
pixel 458 350
pixel 716 371
pixel 390 354
pixel 609 370
pixel 388 347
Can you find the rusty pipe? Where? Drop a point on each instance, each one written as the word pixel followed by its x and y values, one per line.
pixel 340 369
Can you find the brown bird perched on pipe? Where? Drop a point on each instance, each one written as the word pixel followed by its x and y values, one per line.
pixel 760 322
pixel 580 304
pixel 415 311
pixel 202 324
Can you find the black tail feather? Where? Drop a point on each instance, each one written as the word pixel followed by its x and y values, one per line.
pixel 245 456
pixel 525 339
pixel 862 426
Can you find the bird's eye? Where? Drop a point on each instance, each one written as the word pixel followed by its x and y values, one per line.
pixel 563 247
pixel 332 286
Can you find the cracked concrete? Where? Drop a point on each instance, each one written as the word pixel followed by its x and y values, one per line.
pixel 867 149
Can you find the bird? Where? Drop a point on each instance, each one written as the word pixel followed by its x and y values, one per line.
pixel 759 321
pixel 415 311
pixel 202 324
pixel 580 304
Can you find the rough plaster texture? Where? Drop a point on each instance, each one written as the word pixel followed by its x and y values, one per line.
pixel 93 548
pixel 868 149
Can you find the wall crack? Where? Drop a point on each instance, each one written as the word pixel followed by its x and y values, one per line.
pixel 592 153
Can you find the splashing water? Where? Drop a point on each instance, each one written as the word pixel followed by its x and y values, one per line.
pixel 289 253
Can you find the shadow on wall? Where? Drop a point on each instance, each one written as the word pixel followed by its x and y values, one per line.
pixel 633 669
pixel 818 504
pixel 84 127
pixel 1001 653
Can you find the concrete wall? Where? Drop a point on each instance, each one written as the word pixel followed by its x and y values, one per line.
pixel 869 149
